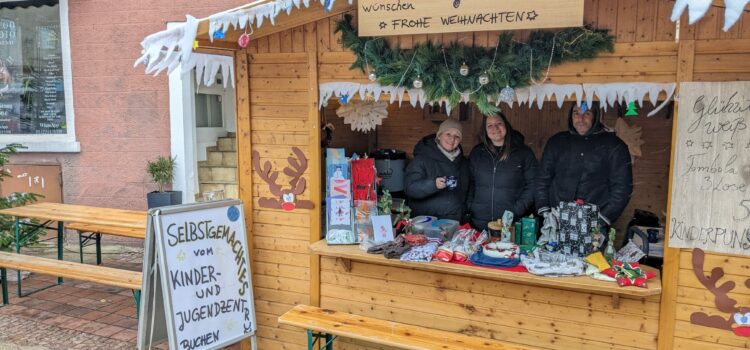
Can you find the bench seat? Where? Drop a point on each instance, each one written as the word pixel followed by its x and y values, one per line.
pixel 105 229
pixel 383 332
pixel 66 269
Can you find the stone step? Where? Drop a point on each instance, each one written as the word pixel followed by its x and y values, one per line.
pixel 227 144
pixel 220 158
pixel 222 174
pixel 230 190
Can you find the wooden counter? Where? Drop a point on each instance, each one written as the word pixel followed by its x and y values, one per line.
pixel 517 307
pixel 582 283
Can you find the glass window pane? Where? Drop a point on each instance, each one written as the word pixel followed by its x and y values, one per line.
pixel 208 111
pixel 32 97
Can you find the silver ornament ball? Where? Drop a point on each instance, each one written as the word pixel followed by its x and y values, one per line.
pixel 507 95
pixel 372 76
pixel 417 83
pixel 464 70
pixel 484 79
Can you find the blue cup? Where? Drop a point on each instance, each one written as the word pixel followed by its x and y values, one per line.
pixel 451 182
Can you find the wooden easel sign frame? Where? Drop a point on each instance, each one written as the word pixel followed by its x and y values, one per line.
pixel 197 289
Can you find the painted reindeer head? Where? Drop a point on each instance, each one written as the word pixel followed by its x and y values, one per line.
pixel 285 198
pixel 739 316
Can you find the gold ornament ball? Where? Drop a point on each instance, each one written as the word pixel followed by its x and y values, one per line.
pixel 372 76
pixel 484 79
pixel 464 70
pixel 417 83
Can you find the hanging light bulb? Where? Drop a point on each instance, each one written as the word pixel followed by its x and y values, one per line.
pixel 484 79
pixel 372 76
pixel 507 95
pixel 418 83
pixel 464 70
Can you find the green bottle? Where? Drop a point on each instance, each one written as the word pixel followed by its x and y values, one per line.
pixel 609 252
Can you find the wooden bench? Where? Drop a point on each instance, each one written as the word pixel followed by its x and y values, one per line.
pixel 95 233
pixel 326 325
pixel 60 268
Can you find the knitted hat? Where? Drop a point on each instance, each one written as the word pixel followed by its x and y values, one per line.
pixel 450 124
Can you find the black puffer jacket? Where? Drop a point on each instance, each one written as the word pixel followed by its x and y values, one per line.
pixel 424 197
pixel 595 167
pixel 497 185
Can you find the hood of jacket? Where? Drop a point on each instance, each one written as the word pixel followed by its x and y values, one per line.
pixel 596 125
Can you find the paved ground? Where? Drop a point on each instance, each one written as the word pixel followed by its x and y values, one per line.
pixel 74 315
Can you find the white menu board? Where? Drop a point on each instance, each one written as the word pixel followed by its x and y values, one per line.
pixel 204 273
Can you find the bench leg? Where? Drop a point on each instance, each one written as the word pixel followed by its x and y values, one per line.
pixel 60 242
pixel 314 337
pixel 4 277
pixel 137 296
pixel 98 248
pixel 81 241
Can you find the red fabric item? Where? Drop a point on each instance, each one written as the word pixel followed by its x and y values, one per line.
pixel 518 268
pixel 622 278
pixel 363 179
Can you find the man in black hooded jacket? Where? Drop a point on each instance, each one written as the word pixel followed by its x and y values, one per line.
pixel 586 162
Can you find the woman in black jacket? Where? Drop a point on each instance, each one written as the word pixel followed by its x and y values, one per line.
pixel 502 173
pixel 438 158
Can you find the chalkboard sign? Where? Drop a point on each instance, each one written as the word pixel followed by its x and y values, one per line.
pixel 710 203
pixel 197 288
pixel 403 17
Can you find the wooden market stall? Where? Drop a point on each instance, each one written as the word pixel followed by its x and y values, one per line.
pixel 278 77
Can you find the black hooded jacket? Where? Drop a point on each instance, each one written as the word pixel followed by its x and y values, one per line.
pixel 595 167
pixel 430 163
pixel 500 185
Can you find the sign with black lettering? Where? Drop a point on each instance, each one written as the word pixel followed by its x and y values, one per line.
pixel 710 200
pixel 202 268
pixel 403 17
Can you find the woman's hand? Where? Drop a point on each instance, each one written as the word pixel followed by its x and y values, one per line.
pixel 440 182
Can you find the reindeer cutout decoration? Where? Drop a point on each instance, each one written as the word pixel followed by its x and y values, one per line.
pixel 739 318
pixel 285 198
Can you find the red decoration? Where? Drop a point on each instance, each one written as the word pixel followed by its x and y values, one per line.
pixel 244 40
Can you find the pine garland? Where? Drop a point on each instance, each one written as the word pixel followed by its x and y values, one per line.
pixel 515 63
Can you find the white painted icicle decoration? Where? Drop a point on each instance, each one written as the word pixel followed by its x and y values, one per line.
pixel 698 8
pixel 168 48
pixel 607 93
pixel 207 66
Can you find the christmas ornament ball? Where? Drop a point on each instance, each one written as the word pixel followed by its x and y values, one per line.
pixel 507 95
pixel 464 70
pixel 372 76
pixel 244 40
pixel 484 79
pixel 417 83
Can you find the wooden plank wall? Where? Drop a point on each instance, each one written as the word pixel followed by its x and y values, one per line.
pixel 707 60
pixel 284 271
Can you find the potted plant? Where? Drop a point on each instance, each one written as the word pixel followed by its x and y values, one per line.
pixel 15 199
pixel 162 173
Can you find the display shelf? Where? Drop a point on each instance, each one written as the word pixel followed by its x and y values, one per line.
pixel 581 284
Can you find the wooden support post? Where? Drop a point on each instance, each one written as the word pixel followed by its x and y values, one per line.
pixel 314 185
pixel 244 150
pixel 671 269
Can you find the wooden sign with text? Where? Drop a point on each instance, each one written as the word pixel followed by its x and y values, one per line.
pixel 710 204
pixel 403 17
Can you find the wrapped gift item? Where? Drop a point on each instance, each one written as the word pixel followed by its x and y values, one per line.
pixel 546 263
pixel 421 253
pixel 576 222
